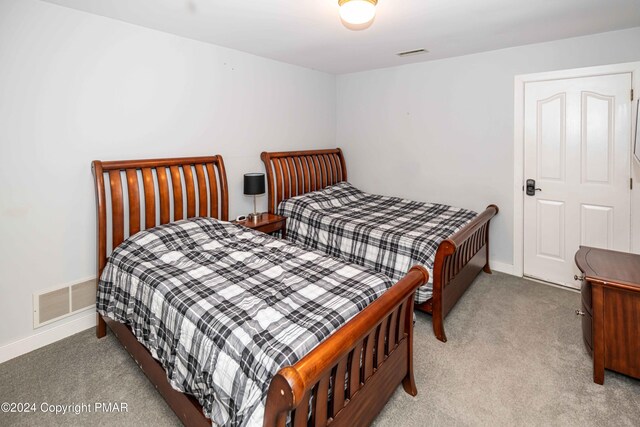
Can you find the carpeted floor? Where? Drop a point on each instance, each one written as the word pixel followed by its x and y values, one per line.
pixel 515 357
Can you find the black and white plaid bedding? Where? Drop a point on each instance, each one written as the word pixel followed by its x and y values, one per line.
pixel 387 234
pixel 223 308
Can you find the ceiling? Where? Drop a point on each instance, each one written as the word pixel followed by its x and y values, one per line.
pixel 309 33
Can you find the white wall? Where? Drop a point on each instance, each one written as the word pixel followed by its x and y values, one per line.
pixel 442 131
pixel 76 87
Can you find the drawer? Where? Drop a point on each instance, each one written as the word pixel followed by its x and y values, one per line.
pixel 273 227
pixel 586 297
pixel 587 329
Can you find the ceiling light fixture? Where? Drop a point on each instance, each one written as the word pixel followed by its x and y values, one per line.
pixel 357 12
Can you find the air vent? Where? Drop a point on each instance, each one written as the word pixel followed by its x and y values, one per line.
pixel 413 52
pixel 52 305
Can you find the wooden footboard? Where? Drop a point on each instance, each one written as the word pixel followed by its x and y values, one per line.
pixel 459 259
pixel 349 377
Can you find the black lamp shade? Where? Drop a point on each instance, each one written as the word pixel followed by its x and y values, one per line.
pixel 253 183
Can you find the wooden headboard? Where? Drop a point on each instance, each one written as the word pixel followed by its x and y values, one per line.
pixel 293 173
pixel 162 184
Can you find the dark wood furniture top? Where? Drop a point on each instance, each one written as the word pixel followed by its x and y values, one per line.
pixel 459 259
pixel 372 353
pixel 611 310
pixel 610 268
pixel 267 223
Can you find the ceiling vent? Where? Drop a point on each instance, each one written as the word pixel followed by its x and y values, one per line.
pixel 412 52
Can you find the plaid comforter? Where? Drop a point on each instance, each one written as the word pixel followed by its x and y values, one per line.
pixel 223 308
pixel 387 234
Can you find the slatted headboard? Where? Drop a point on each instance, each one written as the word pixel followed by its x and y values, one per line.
pixel 162 183
pixel 293 173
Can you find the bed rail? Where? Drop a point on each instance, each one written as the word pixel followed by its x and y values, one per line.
pixel 293 173
pixel 358 356
pixel 458 260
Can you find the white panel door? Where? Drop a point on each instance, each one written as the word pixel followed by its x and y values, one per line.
pixel 577 149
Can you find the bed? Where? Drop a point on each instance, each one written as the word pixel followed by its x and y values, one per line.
pixel 311 188
pixel 155 215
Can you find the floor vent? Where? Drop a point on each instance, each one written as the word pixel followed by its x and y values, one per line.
pixel 52 305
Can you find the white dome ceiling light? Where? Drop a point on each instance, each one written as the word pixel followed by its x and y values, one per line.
pixel 357 12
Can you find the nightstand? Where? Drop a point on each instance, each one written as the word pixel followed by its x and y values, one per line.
pixel 610 310
pixel 267 223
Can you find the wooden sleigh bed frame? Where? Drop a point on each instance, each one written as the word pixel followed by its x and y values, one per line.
pixel 372 353
pixel 459 259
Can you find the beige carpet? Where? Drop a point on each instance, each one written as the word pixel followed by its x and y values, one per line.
pixel 515 357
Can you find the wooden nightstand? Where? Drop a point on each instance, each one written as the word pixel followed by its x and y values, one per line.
pixel 610 310
pixel 267 223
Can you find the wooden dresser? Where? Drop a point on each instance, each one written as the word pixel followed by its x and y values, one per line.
pixel 610 310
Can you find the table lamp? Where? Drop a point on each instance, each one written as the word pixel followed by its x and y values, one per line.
pixel 254 185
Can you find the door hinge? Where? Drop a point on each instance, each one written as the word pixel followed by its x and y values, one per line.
pixel 630 183
pixel 632 94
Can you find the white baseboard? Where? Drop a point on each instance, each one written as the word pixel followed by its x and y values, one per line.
pixel 34 342
pixel 502 267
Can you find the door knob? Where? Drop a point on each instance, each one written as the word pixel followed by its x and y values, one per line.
pixel 531 187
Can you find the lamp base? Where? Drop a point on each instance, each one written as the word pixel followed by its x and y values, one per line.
pixel 254 217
